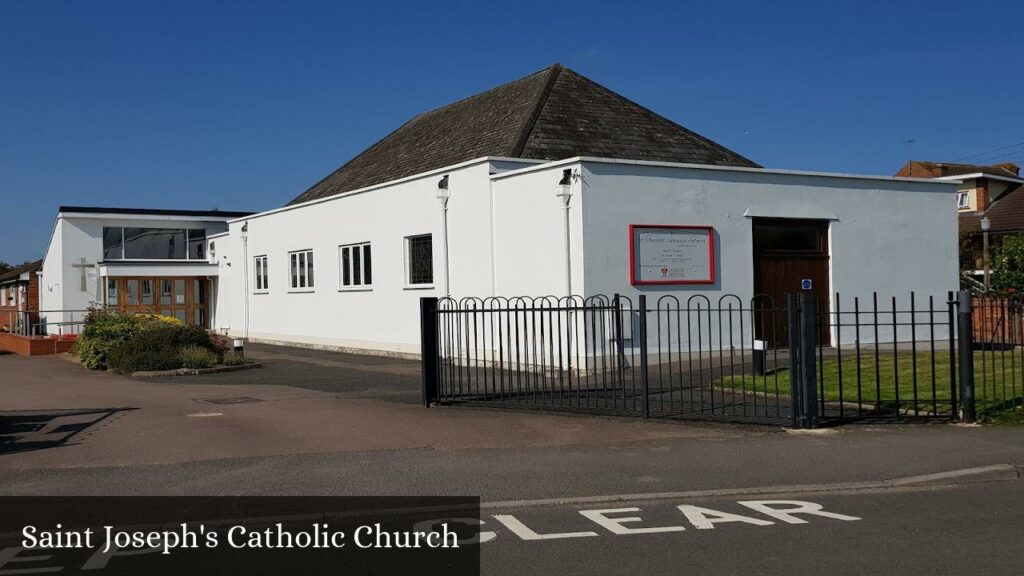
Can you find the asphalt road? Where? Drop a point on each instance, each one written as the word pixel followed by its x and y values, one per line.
pixel 361 434
pixel 970 528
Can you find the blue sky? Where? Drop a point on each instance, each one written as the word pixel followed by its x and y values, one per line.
pixel 243 105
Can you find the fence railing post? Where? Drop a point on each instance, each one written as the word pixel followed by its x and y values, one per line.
pixel 429 349
pixel 642 326
pixel 965 331
pixel 808 370
pixel 793 332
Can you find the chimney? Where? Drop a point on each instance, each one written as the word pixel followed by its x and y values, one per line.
pixel 1009 167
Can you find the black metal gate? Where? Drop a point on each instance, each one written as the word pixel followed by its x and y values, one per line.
pixel 697 358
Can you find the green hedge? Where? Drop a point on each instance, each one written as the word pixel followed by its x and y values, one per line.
pixel 158 347
pixel 137 342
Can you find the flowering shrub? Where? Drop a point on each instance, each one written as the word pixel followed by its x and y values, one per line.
pixel 132 342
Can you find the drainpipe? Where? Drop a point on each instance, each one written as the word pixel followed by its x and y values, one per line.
pixel 564 193
pixel 442 196
pixel 245 272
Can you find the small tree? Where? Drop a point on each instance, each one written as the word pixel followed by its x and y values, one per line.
pixel 1008 264
pixel 4 266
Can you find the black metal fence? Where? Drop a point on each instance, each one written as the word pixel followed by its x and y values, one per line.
pixel 800 362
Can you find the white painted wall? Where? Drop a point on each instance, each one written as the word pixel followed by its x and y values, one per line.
pixel 384 317
pixel 76 237
pixel 506 238
pixel 889 236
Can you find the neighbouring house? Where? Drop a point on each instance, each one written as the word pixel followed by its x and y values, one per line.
pixel 554 184
pixel 128 259
pixel 994 192
pixel 19 298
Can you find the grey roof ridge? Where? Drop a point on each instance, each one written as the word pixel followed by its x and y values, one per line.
pixel 655 115
pixel 554 71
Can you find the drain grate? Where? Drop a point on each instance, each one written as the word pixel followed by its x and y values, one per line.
pixel 232 400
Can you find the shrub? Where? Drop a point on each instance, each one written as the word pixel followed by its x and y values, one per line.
pixel 233 359
pixel 157 346
pixel 220 346
pixel 197 357
pixel 103 331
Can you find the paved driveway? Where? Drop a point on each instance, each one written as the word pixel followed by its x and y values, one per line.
pixel 343 375
pixel 55 414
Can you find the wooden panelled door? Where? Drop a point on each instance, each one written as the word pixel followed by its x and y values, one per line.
pixel 182 297
pixel 787 254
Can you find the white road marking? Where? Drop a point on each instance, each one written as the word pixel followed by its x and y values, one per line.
pixel 706 518
pixel 615 525
pixel 526 533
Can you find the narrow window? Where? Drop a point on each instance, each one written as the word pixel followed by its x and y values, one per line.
pixel 112 292
pixel 262 276
pixel 147 292
pixel 346 266
pixel 420 257
pixel 133 292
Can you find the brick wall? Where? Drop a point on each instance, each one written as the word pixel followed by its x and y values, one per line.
pixel 26 298
pixel 38 346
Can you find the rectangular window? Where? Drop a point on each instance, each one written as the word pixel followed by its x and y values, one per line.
pixel 262 277
pixel 963 200
pixel 165 291
pixel 133 292
pixel 112 292
pixel 355 265
pixel 301 269
pixel 147 292
pixel 154 244
pixel 420 258
pixel 113 244
pixel 196 244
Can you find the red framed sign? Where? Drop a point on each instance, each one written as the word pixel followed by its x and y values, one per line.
pixel 665 254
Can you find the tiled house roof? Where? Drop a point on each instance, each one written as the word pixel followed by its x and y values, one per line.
pixel 13 273
pixel 549 115
pixel 1006 214
pixel 923 169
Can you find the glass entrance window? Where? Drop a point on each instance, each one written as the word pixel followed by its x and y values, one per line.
pixel 147 292
pixel 133 292
pixel 165 292
pixel 112 292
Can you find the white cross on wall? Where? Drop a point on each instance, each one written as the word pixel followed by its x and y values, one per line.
pixel 85 280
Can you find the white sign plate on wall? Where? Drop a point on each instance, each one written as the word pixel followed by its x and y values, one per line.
pixel 671 254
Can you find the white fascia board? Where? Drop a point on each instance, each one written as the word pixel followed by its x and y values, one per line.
pixel 218 235
pixel 960 178
pixel 428 174
pixel 150 217
pixel 112 269
pixel 596 160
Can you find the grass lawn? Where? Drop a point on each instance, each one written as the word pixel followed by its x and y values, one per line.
pixel 999 380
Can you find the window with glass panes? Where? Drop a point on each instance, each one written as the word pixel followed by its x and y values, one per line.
pixel 355 264
pixel 301 264
pixel 262 276
pixel 420 259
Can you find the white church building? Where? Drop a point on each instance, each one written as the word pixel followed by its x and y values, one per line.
pixel 548 185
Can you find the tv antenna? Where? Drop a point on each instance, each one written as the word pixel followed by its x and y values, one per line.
pixel 910 148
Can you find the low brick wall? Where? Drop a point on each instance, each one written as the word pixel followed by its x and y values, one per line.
pixel 34 346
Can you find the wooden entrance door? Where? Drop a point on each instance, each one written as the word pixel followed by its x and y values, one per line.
pixel 787 254
pixel 182 297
